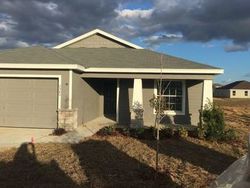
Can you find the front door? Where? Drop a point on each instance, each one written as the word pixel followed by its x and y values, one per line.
pixel 110 98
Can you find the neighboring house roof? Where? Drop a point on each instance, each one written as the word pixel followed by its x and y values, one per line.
pixel 217 85
pixel 100 32
pixel 101 60
pixel 237 85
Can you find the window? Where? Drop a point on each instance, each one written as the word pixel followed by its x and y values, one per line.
pixel 246 93
pixel 234 93
pixel 173 95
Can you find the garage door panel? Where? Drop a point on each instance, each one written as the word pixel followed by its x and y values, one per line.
pixel 28 102
pixel 17 110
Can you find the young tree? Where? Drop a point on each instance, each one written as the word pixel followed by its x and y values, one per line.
pixel 159 104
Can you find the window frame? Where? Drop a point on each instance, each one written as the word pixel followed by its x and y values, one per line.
pixel 246 93
pixel 234 93
pixel 174 112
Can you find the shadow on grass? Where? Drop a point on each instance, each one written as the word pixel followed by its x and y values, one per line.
pixel 206 158
pixel 106 166
pixel 26 171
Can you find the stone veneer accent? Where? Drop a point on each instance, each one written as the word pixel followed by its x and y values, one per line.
pixel 67 119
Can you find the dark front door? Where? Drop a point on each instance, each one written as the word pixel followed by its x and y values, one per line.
pixel 110 98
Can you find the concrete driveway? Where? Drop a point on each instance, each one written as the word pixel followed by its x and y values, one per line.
pixel 14 137
pixel 10 137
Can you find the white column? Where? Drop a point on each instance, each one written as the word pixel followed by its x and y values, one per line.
pixel 207 92
pixel 137 92
pixel 137 104
pixel 70 89
pixel 117 99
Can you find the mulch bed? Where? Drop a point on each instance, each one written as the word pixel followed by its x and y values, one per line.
pixel 115 161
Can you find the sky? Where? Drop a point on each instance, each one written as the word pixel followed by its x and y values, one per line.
pixel 214 32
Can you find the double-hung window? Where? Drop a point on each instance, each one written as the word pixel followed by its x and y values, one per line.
pixel 172 95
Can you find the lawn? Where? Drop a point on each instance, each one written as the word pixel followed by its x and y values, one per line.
pixel 122 161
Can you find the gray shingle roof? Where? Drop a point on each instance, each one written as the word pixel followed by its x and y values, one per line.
pixel 237 85
pixel 98 57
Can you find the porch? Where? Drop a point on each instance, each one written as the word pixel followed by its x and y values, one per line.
pixel 117 96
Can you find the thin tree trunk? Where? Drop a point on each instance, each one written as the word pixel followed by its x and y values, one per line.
pixel 157 122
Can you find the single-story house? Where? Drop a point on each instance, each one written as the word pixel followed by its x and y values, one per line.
pixel 238 89
pixel 97 74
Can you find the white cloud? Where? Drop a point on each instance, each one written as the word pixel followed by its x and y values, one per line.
pixel 21 44
pixel 3 41
pixel 208 45
pixel 6 23
pixel 234 47
pixel 135 13
pixel 51 7
pixel 162 38
pixel 12 43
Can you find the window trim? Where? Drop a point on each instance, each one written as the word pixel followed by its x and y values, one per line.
pixel 174 112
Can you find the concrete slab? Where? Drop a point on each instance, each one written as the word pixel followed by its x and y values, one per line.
pixel 10 137
pixel 14 137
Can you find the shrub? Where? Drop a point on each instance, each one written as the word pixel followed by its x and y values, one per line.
pixel 59 131
pixel 213 121
pixel 213 124
pixel 182 132
pixel 125 131
pixel 109 130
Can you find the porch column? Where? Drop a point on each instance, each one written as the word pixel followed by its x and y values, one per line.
pixel 137 104
pixel 207 92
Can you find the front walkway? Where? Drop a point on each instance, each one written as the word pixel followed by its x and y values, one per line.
pixel 14 137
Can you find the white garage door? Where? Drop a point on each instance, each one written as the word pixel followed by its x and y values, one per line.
pixel 28 102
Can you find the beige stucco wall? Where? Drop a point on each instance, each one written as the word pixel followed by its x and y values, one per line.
pixel 194 99
pixel 228 93
pixel 240 93
pixel 86 98
pixel 96 41
pixel 64 85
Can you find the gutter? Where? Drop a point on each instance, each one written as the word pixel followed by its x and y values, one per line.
pixel 82 69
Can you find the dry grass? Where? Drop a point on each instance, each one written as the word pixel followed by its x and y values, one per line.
pixel 237 115
pixel 119 161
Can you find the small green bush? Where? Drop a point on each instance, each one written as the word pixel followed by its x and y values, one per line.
pixel 213 125
pixel 139 131
pixel 182 132
pixel 125 131
pixel 109 130
pixel 213 119
pixel 59 131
